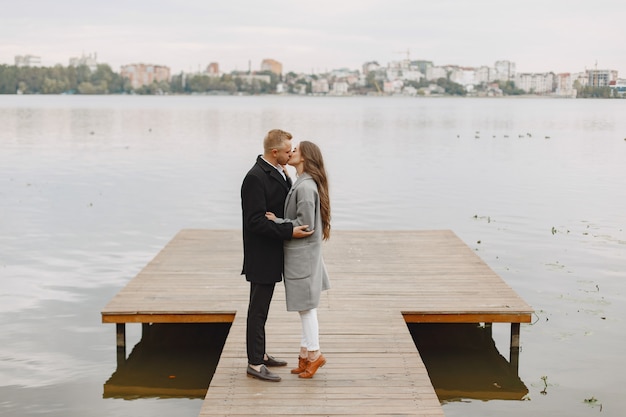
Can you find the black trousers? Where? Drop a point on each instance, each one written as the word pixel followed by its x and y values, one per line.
pixel 258 309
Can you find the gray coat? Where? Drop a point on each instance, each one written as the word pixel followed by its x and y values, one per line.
pixel 305 272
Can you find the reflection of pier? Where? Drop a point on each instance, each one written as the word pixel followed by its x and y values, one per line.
pixel 464 363
pixel 170 360
pixel 380 281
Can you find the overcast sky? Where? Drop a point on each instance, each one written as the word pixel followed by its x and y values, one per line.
pixel 538 35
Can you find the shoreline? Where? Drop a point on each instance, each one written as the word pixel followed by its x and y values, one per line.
pixel 434 96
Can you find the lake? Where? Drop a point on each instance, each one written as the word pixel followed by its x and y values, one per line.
pixel 92 187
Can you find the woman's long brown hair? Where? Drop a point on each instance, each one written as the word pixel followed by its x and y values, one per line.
pixel 314 166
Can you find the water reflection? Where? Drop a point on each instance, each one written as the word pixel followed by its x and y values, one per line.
pixel 463 363
pixel 170 361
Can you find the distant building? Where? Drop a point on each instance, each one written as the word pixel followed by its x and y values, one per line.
pixel 339 88
pixel 422 65
pixel 601 78
pixel 251 78
pixel 565 85
pixel 320 86
pixel 580 79
pixel 412 75
pixel 145 74
pixel 504 71
pixel 90 61
pixel 213 68
pixel 408 90
pixel 494 90
pixel 619 87
pixel 299 89
pixel 342 73
pixel 403 70
pixel 535 83
pixel 434 73
pixel 272 66
pixel 393 87
pixel 483 75
pixel 352 78
pixel 466 76
pixel 27 60
pixel 371 66
pixel 434 89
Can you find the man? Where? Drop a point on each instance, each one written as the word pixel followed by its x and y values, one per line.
pixel 264 189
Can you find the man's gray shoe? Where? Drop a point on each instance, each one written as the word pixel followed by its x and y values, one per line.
pixel 272 361
pixel 263 374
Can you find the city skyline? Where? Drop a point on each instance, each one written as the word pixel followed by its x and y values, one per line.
pixel 558 36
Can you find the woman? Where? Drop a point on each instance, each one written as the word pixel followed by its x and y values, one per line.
pixel 307 203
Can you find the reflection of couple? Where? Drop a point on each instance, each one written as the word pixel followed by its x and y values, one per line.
pixel 277 214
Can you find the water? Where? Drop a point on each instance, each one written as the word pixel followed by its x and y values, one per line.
pixel 91 188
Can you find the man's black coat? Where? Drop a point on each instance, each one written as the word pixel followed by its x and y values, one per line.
pixel 263 189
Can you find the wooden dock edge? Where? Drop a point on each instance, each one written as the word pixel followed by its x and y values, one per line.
pixel 222 317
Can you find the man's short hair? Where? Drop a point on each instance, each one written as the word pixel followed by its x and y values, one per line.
pixel 275 139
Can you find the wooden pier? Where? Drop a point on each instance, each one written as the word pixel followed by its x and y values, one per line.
pixel 380 281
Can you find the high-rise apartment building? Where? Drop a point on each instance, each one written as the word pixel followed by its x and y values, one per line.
pixel 505 71
pixel 272 66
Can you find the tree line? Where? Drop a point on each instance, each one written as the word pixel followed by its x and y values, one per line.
pixel 103 80
pixel 596 92
pixel 59 79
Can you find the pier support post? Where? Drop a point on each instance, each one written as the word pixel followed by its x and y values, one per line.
pixel 120 333
pixel 514 354
pixel 145 331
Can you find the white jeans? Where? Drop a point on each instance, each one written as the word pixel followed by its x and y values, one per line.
pixel 310 330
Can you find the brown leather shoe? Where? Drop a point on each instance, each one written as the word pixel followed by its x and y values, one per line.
pixel 313 366
pixel 302 364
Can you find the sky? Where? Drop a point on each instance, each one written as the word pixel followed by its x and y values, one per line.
pixel 318 36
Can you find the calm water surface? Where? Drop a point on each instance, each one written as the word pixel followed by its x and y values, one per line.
pixel 91 188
